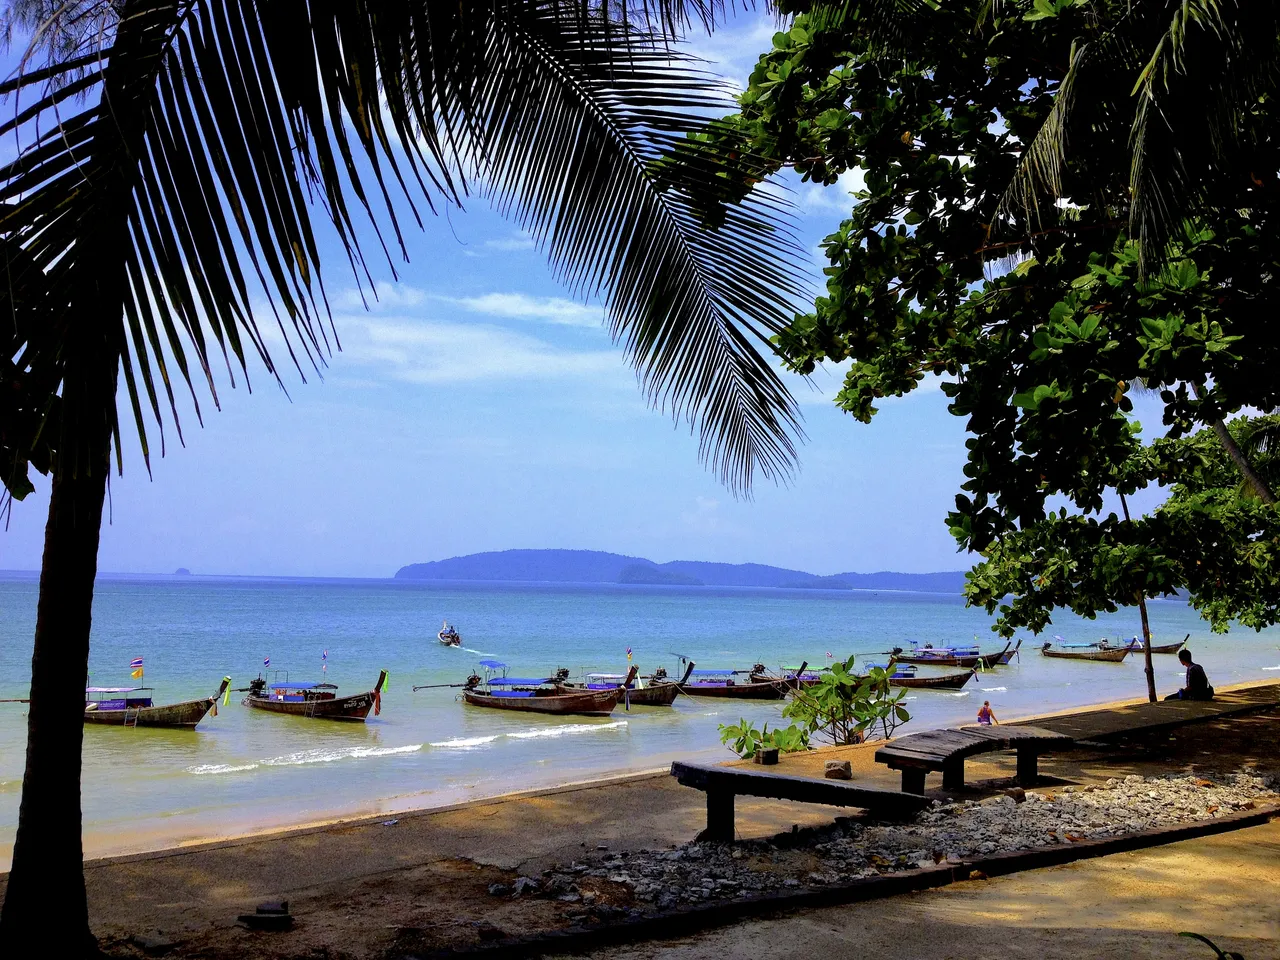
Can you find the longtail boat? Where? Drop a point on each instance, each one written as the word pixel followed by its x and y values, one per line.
pixel 955 656
pixel 1010 654
pixel 318 701
pixel 535 695
pixel 724 683
pixel 1100 655
pixel 448 635
pixel 906 675
pixel 114 705
pixel 654 691
pixel 1136 645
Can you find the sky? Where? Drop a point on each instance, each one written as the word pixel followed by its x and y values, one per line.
pixel 475 408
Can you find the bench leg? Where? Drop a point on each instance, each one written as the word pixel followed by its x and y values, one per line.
pixel 719 817
pixel 953 774
pixel 912 780
pixel 1028 768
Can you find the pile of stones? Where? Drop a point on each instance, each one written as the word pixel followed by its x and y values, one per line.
pixel 849 850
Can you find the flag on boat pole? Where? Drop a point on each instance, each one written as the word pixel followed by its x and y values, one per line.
pixel 266 661
pixel 324 663
pixel 136 666
pixel 628 654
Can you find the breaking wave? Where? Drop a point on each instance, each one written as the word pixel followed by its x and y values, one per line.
pixel 201 769
pixel 465 743
pixel 567 730
pixel 346 753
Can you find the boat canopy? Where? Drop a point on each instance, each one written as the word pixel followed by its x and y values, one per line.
pixel 710 673
pixel 493 664
pixel 114 689
pixel 518 681
pixel 303 686
pixel 606 676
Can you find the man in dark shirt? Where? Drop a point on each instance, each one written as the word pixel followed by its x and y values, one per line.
pixel 1197 683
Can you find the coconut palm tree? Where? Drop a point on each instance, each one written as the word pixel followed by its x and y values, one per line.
pixel 172 153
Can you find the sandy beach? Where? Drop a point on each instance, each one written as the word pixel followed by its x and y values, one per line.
pixel 418 881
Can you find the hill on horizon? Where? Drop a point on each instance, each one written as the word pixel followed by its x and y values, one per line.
pixel 597 566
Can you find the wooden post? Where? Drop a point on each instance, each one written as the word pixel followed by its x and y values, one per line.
pixel 912 780
pixel 719 816
pixel 1028 767
pixel 952 775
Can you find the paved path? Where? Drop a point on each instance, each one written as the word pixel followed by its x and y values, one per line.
pixel 1129 905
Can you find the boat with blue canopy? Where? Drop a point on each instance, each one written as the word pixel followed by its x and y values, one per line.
pixel 726 684
pixel 959 656
pixel 907 675
pixel 653 691
pixel 318 701
pixel 133 707
pixel 497 690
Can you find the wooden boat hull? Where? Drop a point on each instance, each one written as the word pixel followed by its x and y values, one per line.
pixel 1009 654
pixel 1157 648
pixel 183 715
pixel 1116 655
pixel 585 703
pixel 950 681
pixel 983 661
pixel 655 695
pixel 766 690
pixel 354 708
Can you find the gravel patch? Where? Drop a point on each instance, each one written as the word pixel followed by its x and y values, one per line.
pixel 638 882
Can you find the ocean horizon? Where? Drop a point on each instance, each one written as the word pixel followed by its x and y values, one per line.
pixel 245 771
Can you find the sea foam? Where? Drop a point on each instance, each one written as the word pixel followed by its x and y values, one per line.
pixel 567 730
pixel 205 768
pixel 464 743
pixel 345 753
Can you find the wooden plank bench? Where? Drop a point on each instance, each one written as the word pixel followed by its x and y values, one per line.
pixel 722 784
pixel 946 750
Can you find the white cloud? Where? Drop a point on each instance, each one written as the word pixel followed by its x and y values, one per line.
pixel 510 244
pixel 384 296
pixel 733 49
pixel 431 352
pixel 818 199
pixel 520 306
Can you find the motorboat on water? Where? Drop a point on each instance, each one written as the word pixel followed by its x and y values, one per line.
pixel 448 635
pixel 967 656
pixel 652 691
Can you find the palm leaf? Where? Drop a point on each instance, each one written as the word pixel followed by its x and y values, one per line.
pixel 555 110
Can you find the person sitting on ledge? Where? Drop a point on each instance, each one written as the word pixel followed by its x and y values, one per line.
pixel 986 716
pixel 1197 687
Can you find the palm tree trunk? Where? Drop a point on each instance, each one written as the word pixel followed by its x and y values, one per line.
pixel 1238 457
pixel 45 911
pixel 1148 668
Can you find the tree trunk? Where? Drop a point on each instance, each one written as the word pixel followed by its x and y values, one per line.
pixel 45 912
pixel 1146 624
pixel 1238 457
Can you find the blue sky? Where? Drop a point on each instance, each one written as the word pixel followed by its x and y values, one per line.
pixel 475 408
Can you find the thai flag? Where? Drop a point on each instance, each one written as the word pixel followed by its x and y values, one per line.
pixel 325 655
pixel 628 654
pixel 266 661
pixel 135 663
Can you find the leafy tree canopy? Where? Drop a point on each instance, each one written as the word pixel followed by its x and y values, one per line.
pixel 1038 307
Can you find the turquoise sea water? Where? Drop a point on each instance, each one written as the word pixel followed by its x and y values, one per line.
pixel 246 770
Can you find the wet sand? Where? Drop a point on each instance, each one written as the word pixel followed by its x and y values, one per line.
pixel 375 887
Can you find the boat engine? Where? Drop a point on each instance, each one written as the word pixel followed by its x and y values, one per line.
pixel 659 674
pixel 562 674
pixel 473 681
pixel 257 687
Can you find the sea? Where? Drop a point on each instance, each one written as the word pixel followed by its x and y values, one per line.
pixel 247 771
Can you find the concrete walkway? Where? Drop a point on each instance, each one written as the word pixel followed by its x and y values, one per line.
pixel 1129 905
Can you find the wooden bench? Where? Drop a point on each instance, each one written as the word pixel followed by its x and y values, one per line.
pixel 946 750
pixel 722 784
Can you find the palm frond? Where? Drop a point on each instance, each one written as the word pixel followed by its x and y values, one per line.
pixel 203 143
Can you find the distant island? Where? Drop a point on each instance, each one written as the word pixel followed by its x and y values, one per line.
pixel 595 566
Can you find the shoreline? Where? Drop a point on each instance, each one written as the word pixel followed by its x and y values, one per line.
pixel 135 847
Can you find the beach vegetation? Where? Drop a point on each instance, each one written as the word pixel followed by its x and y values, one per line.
pixel 746 741
pixel 158 239
pixel 846 707
pixel 1059 206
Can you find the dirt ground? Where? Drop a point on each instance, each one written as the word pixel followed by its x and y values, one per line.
pixel 1128 905
pixel 376 889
